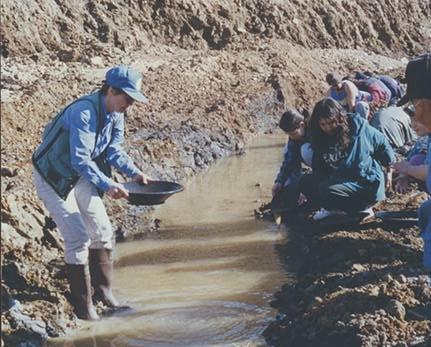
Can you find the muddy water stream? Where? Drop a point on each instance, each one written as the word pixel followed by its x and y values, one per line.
pixel 207 277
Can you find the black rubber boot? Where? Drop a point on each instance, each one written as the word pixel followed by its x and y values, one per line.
pixel 80 287
pixel 101 269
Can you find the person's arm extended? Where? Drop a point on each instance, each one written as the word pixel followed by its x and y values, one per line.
pixel 351 95
pixel 389 176
pixel 420 172
pixel 115 155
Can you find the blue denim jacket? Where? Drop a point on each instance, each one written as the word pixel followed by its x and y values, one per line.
pixel 78 137
pixel 368 151
pixel 80 121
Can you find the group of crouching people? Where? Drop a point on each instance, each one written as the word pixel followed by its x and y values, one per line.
pixel 351 142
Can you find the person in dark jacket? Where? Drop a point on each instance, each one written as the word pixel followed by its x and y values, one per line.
pixel 72 169
pixel 348 156
pixel 285 190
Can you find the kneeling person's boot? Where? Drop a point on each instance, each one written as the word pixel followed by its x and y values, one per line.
pixel 80 288
pixel 101 269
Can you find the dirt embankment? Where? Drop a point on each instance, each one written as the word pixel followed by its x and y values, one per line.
pixel 74 31
pixel 215 74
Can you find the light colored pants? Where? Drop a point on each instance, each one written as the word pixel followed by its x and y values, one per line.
pixel 81 218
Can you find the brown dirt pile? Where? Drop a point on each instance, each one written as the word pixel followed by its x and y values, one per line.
pixel 356 286
pixel 215 74
pixel 72 30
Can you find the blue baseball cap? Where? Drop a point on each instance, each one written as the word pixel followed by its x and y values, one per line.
pixel 128 80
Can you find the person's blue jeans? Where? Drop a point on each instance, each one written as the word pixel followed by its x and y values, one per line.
pixel 339 194
pixel 425 226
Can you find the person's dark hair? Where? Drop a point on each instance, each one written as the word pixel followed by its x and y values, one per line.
pixel 104 89
pixel 361 75
pixel 332 78
pixel 305 113
pixel 325 109
pixel 290 120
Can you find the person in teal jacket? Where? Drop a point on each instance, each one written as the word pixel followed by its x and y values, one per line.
pixel 348 159
pixel 72 171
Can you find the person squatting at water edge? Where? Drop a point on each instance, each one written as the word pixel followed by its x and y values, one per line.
pixel 348 155
pixel 285 191
pixel 418 93
pixel 72 170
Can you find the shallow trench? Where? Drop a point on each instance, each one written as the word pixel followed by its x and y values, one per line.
pixel 208 276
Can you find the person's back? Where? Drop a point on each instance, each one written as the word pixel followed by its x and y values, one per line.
pixel 393 86
pixel 395 124
pixel 380 94
pixel 343 92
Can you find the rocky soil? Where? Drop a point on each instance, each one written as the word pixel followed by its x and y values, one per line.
pixel 354 285
pixel 215 73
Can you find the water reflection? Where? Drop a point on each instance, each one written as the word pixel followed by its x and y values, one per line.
pixel 207 278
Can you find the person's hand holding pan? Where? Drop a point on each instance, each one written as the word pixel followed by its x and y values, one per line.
pixel 142 178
